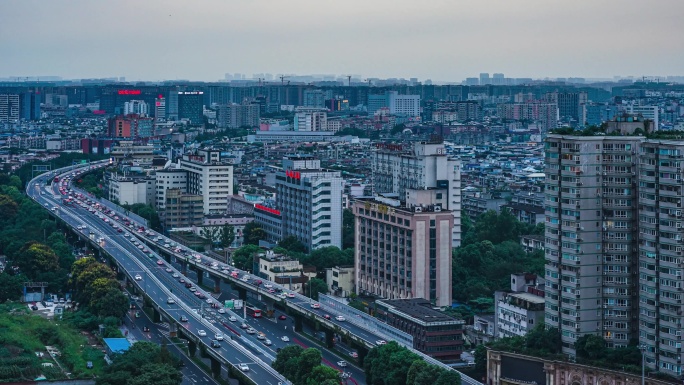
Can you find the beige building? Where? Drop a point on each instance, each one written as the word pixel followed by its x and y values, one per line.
pixel 182 209
pixel 131 190
pixel 283 270
pixel 340 280
pixel 403 251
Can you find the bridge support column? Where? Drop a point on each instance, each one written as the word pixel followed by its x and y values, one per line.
pixel 203 351
pixel 215 367
pixel 217 284
pixel 173 329
pixel 270 307
pixel 299 323
pixel 200 276
pixel 192 348
pixel 329 338
pixel 167 257
pixel 242 293
pixel 184 267
pixel 362 352
pixel 156 316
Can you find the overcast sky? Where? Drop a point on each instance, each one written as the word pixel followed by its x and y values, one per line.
pixel 442 40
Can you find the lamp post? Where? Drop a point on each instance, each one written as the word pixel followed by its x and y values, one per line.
pixel 643 364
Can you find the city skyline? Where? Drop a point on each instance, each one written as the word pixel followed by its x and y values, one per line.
pixel 441 40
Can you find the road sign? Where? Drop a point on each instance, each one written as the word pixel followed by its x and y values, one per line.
pixel 229 304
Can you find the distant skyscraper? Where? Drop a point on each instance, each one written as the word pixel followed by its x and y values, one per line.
pixel 498 79
pixel 29 103
pixel 159 109
pixel 407 105
pixel 484 79
pixel 190 106
pixel 472 82
pixel 138 107
pixel 172 105
pixel 314 98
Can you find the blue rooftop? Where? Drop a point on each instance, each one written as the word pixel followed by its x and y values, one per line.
pixel 117 345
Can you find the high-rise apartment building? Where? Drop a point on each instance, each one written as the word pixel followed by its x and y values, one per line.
pixel 9 108
pixel 403 250
pixel 310 119
pixel 138 107
pixel 407 105
pixel 570 104
pixel 167 179
pixel 591 245
pixel 159 109
pixel 314 98
pixel 211 177
pixel 310 202
pixel 172 105
pixel 182 209
pixel 238 115
pixel 484 79
pixel 424 166
pixel 130 126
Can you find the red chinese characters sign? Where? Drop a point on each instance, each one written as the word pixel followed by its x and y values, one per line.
pixel 293 174
pixel 130 92
pixel 267 209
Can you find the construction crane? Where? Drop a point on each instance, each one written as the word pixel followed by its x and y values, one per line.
pixel 349 80
pixel 282 80
pixel 369 82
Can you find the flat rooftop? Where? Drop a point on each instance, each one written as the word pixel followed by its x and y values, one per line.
pixel 417 308
pixel 531 298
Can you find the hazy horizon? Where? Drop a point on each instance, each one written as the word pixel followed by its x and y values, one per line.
pixel 441 40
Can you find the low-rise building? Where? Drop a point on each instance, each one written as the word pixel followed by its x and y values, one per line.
pixel 532 242
pixel 522 308
pixel 182 209
pixel 131 190
pixel 280 269
pixel 434 333
pixel 340 280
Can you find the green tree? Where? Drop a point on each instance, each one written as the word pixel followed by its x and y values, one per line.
pixel 15 182
pixel 227 235
pixel 35 258
pixel 388 364
pixel 321 373
pixel 308 360
pixel 8 209
pixel 211 234
pixel 316 286
pixel 348 229
pixel 252 234
pixel 448 377
pixel 11 287
pixel 158 375
pixel 287 361
pixel 326 257
pixel 480 360
pixel 292 244
pixel 243 257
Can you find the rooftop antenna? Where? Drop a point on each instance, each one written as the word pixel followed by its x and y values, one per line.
pixel 349 80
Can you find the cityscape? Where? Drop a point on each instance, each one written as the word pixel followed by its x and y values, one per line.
pixel 363 201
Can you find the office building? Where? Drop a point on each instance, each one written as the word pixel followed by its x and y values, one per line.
pixel 159 109
pixel 520 309
pixel 591 239
pixel 648 112
pixel 191 106
pixel 423 166
pixel 29 105
pixel 210 176
pixel 271 220
pixel 314 98
pixel 406 105
pixel 9 108
pixel 172 105
pixel 166 179
pixel 130 126
pixel 310 119
pixel 310 201
pixel 435 333
pixel 137 107
pixel 129 190
pixel 403 250
pixel 570 104
pixel 182 209
pixel 484 79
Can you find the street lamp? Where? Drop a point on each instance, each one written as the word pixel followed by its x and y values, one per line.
pixel 643 364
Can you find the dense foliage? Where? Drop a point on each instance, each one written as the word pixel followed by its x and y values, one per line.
pixel 252 234
pixel 144 363
pixel 96 287
pixel 314 287
pixel 592 350
pixel 392 364
pixel 539 342
pixel 145 211
pixel 303 367
pixel 490 251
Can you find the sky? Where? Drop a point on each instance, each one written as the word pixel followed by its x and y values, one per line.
pixel 442 40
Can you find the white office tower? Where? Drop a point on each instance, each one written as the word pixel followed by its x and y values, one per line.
pixel 424 166
pixel 310 119
pixel 137 107
pixel 209 176
pixel 310 202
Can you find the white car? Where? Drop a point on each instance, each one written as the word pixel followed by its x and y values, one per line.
pixel 243 367
pixel 251 331
pixel 201 333
pixel 232 319
pixel 315 305
pixel 291 295
pixel 175 275
pixel 218 337
pixel 340 318
pixel 380 342
pixel 222 310
pixel 170 301
pixel 138 277
pixel 268 286
pixel 285 338
pixel 342 364
pixel 268 342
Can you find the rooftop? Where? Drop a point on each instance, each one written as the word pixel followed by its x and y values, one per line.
pixel 418 308
pixel 531 298
pixel 117 345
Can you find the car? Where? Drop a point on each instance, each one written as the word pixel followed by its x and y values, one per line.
pixel 169 270
pixel 175 275
pixel 251 331
pixel 192 288
pixel 183 318
pixel 268 285
pixel 340 318
pixel 219 337
pixel 354 354
pixel 290 295
pixel 197 293
pixel 222 310
pixel 243 367
pixel 326 316
pixel 137 314
pixel 138 277
pixel 232 319
pixel 315 305
pixel 282 296
pixel 380 342
pixel 215 344
pixel 159 262
pixel 261 336
pixel 209 301
pixel 285 338
pixel 146 328
pixel 342 364
pixel 268 342
pixel 170 301
pixel 201 333
pixel 201 295
pixel 244 326
pixel 182 280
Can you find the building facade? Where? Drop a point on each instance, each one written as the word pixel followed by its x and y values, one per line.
pixel 310 201
pixel 9 108
pixel 522 308
pixel 403 251
pixel 424 166
pixel 310 119
pixel 191 106
pixel 182 209
pixel 211 177
pixel 129 191
pixel 166 179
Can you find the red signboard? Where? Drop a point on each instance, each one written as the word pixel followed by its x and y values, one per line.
pixel 130 92
pixel 267 209
pixel 293 174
